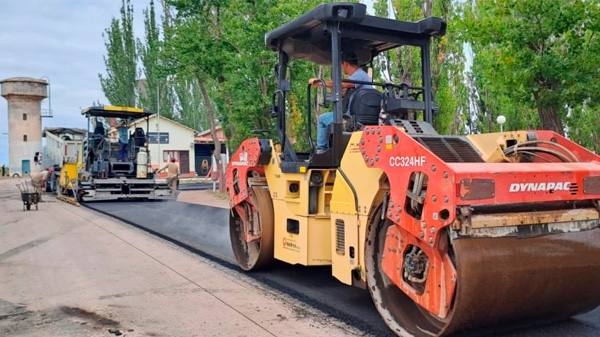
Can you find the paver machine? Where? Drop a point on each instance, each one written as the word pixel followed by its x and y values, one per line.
pixel 105 176
pixel 446 232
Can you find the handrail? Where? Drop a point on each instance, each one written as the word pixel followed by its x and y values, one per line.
pixel 309 109
pixel 384 84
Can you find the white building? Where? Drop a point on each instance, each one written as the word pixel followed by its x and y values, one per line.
pixel 62 145
pixel 169 139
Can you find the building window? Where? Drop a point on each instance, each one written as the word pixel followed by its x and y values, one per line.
pixel 156 138
pixel 24 117
pixel 24 138
pixel 168 154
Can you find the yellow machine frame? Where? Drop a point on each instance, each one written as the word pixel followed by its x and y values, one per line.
pixel 335 235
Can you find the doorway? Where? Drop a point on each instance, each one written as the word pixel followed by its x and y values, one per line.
pixel 25 167
pixel 184 162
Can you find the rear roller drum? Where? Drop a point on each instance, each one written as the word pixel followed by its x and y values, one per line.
pixel 257 252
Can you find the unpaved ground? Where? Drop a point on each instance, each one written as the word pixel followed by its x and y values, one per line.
pixel 203 197
pixel 68 271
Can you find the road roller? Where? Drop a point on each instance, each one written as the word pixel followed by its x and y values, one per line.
pixel 447 233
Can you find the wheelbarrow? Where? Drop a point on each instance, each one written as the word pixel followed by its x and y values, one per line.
pixel 29 198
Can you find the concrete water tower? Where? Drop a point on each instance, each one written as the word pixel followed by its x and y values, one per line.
pixel 24 96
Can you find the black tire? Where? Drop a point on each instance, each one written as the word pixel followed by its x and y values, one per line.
pixel 54 183
pixel 79 196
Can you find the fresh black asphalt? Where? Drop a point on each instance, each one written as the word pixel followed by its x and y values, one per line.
pixel 205 231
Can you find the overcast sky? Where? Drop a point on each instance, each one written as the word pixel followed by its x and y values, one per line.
pixel 61 40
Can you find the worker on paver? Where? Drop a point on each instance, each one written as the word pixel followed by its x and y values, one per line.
pixel 173 175
pixel 38 181
pixel 123 141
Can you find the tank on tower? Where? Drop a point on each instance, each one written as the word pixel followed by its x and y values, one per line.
pixel 24 96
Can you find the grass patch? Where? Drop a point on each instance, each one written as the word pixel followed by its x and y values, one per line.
pixel 219 195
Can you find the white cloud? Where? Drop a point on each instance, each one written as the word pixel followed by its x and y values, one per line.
pixel 62 40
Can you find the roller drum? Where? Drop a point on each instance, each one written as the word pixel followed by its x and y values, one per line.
pixel 510 279
pixel 499 280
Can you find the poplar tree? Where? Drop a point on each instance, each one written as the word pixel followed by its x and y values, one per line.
pixel 536 62
pixel 156 94
pixel 119 82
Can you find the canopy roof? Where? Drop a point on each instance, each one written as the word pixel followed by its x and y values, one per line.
pixel 116 112
pixel 362 36
pixel 63 130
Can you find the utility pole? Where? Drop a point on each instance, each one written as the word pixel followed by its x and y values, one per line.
pixel 159 154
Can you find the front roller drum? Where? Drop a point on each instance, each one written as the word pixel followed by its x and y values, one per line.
pixel 257 252
pixel 503 280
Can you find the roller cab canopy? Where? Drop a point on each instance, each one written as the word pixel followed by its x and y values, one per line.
pixel 116 112
pixel 342 31
pixel 362 36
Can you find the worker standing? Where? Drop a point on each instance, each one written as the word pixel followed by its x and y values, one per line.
pixel 38 181
pixel 173 175
pixel 37 159
pixel 123 141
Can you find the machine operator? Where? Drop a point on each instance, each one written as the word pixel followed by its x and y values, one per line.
pixel 350 67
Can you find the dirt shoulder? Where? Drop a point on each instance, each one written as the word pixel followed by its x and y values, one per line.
pixel 204 197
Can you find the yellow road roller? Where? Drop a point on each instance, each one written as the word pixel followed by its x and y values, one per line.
pixel 446 232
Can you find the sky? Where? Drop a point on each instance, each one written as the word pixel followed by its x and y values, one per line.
pixel 60 40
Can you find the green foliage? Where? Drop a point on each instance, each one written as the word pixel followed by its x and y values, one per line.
pixel 535 56
pixel 155 91
pixel 190 105
pixel 533 61
pixel 119 83
pixel 403 65
pixel 222 43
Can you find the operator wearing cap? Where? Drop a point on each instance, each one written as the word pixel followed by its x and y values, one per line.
pixel 351 68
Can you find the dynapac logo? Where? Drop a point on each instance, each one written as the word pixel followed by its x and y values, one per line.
pixel 539 187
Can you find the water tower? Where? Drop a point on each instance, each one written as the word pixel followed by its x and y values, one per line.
pixel 24 96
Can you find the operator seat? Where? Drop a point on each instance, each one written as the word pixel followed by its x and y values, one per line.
pixel 140 137
pixel 99 130
pixel 365 107
pixel 97 137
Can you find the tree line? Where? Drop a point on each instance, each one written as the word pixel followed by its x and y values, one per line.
pixel 203 63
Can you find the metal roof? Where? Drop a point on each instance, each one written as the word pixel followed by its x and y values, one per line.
pixel 116 112
pixel 362 36
pixel 169 120
pixel 63 130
